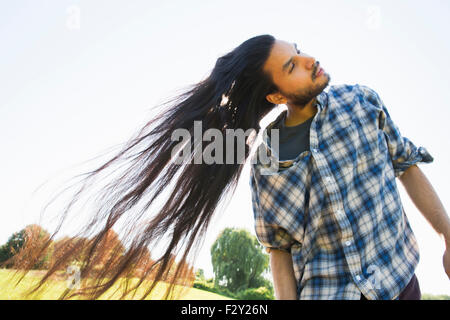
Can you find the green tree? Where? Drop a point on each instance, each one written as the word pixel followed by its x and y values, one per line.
pixel 200 275
pixel 238 260
pixel 12 246
pixel 31 236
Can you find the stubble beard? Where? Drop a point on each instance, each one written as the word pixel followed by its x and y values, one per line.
pixel 301 98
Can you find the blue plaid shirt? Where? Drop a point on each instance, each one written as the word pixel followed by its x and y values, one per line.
pixel 336 207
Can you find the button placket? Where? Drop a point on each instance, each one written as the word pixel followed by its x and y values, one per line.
pixel 340 213
pixel 366 285
pixel 351 255
pixel 329 183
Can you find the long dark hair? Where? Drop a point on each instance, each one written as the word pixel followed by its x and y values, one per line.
pixel 146 168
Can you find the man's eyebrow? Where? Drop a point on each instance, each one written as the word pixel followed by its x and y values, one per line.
pixel 290 60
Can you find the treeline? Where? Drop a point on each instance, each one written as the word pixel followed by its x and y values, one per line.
pixel 239 261
pixel 14 256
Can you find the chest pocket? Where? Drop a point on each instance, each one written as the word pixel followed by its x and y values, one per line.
pixel 345 140
pixel 371 138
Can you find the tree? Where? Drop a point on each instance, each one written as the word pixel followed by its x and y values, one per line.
pixel 12 246
pixel 67 246
pixel 108 250
pixel 200 275
pixel 238 259
pixel 12 254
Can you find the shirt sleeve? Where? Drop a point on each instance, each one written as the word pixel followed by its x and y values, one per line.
pixel 402 151
pixel 269 235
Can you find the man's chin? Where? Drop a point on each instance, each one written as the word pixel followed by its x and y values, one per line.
pixel 303 100
pixel 322 86
pixel 327 81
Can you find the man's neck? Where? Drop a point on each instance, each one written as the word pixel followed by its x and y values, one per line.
pixel 296 115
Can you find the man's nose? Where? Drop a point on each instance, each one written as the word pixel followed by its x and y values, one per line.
pixel 310 62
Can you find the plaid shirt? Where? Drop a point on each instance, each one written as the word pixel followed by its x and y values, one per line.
pixel 336 207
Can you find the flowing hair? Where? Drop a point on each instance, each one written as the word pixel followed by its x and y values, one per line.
pixel 233 96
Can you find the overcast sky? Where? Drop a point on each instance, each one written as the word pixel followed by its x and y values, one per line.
pixel 78 77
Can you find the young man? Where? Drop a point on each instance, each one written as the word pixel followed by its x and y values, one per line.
pixel 331 215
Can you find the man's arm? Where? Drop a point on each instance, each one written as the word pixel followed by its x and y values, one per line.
pixel 427 201
pixel 283 275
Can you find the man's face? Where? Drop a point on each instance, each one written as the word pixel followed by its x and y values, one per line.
pixel 295 74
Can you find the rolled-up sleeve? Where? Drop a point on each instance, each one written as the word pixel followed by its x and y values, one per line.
pixel 403 152
pixel 268 233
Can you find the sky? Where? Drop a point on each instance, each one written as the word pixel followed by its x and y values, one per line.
pixel 78 77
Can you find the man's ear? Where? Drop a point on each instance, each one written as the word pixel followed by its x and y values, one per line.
pixel 276 98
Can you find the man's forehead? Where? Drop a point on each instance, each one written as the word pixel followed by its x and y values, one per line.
pixel 281 52
pixel 283 43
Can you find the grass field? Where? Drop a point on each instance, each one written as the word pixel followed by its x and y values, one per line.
pixel 55 288
pixel 9 292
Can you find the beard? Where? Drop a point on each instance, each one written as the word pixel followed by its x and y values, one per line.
pixel 303 96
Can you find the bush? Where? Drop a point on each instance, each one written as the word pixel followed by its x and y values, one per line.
pixel 260 293
pixel 427 296
pixel 225 292
pixel 209 286
pixel 204 285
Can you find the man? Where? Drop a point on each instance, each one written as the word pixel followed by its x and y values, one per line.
pixel 331 215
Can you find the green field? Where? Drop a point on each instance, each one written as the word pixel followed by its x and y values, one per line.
pixel 52 291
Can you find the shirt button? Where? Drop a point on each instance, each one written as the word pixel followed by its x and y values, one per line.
pixel 358 278
pixel 315 150
pixel 348 243
pixel 328 179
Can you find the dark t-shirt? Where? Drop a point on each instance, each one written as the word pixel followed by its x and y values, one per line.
pixel 293 140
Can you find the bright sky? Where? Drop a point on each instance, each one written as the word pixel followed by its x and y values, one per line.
pixel 77 77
